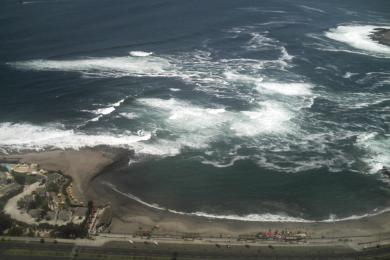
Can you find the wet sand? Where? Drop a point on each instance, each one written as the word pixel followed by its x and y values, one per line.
pixel 130 216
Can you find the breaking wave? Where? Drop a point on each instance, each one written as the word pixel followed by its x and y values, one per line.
pixel 105 111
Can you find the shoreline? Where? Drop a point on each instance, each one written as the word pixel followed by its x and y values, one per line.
pixel 130 216
pixel 249 217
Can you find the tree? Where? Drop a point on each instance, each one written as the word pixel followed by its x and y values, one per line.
pixel 5 222
pixel 20 179
pixel 52 187
pixel 71 231
pixel 15 231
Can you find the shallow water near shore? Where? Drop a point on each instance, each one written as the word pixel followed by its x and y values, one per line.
pixel 277 110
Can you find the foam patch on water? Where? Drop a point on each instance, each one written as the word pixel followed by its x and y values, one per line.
pixel 271 118
pixel 33 137
pixel 105 111
pixel 182 116
pixel 359 37
pixel 218 164
pixel 260 41
pixel 129 115
pixel 198 68
pixel 237 77
pixel 312 9
pixel 140 53
pixel 103 67
pixel 378 147
pixel 349 75
pixel 196 127
pixel 289 89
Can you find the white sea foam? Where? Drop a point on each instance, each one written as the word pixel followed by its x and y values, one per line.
pixel 207 123
pixel 271 118
pixel 289 89
pixel 348 75
pixel 140 53
pixel 234 76
pixel 317 10
pixel 378 148
pixel 260 41
pixel 105 110
pixel 129 115
pixel 195 126
pixel 358 36
pixel 103 67
pixel 285 55
pixel 261 10
pixel 225 165
pixel 28 136
pixel 197 67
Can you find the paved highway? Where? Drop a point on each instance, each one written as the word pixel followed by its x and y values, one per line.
pixel 18 250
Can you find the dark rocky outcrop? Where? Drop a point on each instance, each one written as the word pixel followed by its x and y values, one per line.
pixel 382 36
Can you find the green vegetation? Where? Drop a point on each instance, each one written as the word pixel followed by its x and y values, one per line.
pixel 15 231
pixel 37 203
pixel 70 231
pixel 20 178
pixel 5 222
pixel 25 179
pixel 52 187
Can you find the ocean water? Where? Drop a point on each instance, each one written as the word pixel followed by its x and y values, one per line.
pixel 253 110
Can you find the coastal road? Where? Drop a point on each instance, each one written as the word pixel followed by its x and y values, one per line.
pixel 17 250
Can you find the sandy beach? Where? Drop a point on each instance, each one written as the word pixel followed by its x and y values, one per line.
pixel 130 216
pixel 81 165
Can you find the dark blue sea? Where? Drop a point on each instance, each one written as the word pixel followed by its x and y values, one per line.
pixel 253 110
